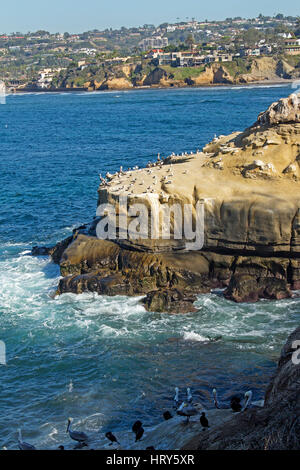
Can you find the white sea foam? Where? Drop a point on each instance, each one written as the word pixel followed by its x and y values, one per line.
pixel 192 336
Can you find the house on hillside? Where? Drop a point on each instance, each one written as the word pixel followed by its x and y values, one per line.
pixel 292 46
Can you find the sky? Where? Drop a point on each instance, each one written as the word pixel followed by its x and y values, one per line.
pixel 83 15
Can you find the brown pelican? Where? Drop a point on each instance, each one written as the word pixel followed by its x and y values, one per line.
pixel 187 410
pixel 251 404
pixel 234 403
pixel 24 445
pixel 78 436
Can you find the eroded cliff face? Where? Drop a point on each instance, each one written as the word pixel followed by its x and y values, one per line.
pixel 247 185
pixel 118 77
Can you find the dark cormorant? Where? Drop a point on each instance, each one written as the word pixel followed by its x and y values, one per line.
pixel 204 420
pixel 136 426
pixel 167 415
pixel 109 435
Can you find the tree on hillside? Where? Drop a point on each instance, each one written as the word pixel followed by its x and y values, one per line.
pixel 190 41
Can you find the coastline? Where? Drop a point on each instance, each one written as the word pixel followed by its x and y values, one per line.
pixel 260 83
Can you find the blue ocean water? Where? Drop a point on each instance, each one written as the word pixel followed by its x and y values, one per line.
pixel 105 361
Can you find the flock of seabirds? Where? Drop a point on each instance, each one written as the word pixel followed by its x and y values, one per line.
pixel 161 161
pixel 237 403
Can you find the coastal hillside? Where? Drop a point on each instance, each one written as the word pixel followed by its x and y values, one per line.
pixel 145 73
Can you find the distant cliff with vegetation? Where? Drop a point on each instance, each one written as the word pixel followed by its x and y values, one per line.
pixel 105 76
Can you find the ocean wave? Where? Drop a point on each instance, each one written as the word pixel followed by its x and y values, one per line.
pixel 193 336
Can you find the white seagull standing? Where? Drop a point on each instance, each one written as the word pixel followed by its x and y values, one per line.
pixel 24 445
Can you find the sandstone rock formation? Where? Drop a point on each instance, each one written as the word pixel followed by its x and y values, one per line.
pixel 247 184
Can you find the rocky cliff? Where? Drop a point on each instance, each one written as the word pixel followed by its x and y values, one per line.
pixel 247 185
pixel 145 74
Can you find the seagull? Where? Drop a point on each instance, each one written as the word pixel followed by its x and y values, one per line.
pixel 109 435
pixel 24 445
pixel 204 421
pixel 189 398
pixel 78 436
pixel 187 410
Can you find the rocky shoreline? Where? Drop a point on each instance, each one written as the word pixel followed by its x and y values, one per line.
pixel 276 426
pixel 248 184
pixel 257 83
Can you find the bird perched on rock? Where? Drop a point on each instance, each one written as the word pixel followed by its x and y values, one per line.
pixel 136 426
pixel 78 436
pixel 235 404
pixel 138 430
pixel 187 410
pixel 109 435
pixel 204 421
pixel 167 415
